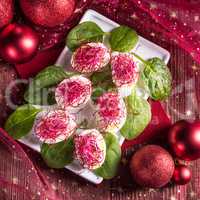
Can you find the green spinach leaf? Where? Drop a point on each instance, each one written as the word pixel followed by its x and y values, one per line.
pixel 157 79
pixel 58 155
pixel 138 116
pixel 102 82
pixel 123 39
pixel 83 33
pixel 40 89
pixel 96 93
pixel 113 156
pixel 21 121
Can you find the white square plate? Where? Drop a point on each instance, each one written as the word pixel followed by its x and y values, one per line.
pixel 145 49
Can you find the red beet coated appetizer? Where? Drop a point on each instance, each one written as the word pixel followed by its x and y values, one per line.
pixel 90 149
pixel 55 126
pixel 90 57
pixel 73 92
pixel 124 70
pixel 111 112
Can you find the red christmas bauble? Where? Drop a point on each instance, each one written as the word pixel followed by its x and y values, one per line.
pixel 182 175
pixel 18 43
pixel 48 13
pixel 6 12
pixel 184 140
pixel 152 166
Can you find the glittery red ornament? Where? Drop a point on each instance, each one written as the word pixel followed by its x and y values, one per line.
pixel 48 13
pixel 18 43
pixel 182 175
pixel 6 12
pixel 184 140
pixel 152 166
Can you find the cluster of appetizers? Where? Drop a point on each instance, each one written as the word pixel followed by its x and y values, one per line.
pixel 105 96
pixel 75 92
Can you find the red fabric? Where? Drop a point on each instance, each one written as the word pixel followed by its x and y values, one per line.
pixel 40 61
pixel 175 20
pixel 37 189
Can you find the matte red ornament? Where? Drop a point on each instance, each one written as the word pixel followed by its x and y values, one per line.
pixel 18 43
pixel 184 140
pixel 48 13
pixel 182 175
pixel 152 166
pixel 6 12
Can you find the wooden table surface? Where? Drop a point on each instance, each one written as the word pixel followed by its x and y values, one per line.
pixel 70 187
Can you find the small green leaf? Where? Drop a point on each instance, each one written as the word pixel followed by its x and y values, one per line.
pixel 138 116
pixel 40 89
pixel 97 92
pixel 21 121
pixel 123 39
pixel 113 156
pixel 42 97
pixel 58 155
pixel 157 79
pixel 83 33
pixel 102 78
pixel 102 81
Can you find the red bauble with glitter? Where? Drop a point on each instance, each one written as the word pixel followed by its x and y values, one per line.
pixel 184 140
pixel 6 12
pixel 182 175
pixel 152 166
pixel 18 43
pixel 48 13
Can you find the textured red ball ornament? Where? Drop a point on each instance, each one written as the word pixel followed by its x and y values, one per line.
pixel 152 166
pixel 182 175
pixel 48 13
pixel 6 12
pixel 184 140
pixel 18 43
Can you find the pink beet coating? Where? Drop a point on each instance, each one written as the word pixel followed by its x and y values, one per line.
pixel 152 166
pixel 73 92
pixel 90 57
pixel 90 148
pixel 124 69
pixel 111 110
pixel 54 126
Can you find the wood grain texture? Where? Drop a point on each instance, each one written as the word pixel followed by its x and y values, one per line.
pixel 71 187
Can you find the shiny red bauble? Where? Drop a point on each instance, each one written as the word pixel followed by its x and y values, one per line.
pixel 184 140
pixel 48 13
pixel 6 12
pixel 18 43
pixel 182 175
pixel 152 166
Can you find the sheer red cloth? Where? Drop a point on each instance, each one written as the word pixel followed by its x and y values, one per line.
pixel 175 20
pixel 162 21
